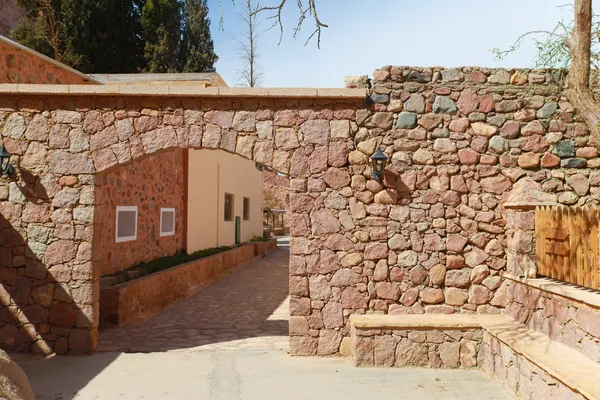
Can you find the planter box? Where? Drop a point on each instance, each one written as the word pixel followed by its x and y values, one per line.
pixel 261 249
pixel 143 297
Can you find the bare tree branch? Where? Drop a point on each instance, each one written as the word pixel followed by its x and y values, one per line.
pixel 251 74
pixel 274 13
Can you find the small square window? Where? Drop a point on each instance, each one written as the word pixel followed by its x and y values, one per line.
pixel 228 207
pixel 126 229
pixel 246 209
pixel 167 221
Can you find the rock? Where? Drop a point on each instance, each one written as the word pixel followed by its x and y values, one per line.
pixel 455 297
pixel 479 273
pixel 332 315
pixel 565 149
pixel 444 145
pixel 380 98
pixel 383 120
pixel 418 275
pixel 444 105
pixel 496 184
pixel 422 157
pixel 475 257
pixel 323 222
pixel 579 183
pixel 449 354
pixel 547 110
pixel 352 298
pixel 316 131
pixel 398 242
pixel 478 294
pixel 574 163
pixel 456 243
pixel 467 102
pixel 387 291
pixel 14 384
pixel 431 296
pixel 458 277
pixel 406 120
pixel 454 262
pixel 407 258
pixel 497 145
pixel 483 129
pixel 376 251
pixel 502 77
pixel 529 161
pixel 336 178
pixel 437 274
pixel 550 161
pixel 387 196
pixel 468 156
pixel 415 103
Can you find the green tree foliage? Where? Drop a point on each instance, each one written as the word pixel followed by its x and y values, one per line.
pixel 120 36
pixel 197 53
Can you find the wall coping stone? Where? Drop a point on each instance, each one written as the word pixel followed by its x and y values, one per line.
pixel 445 321
pixel 588 297
pixel 528 205
pixel 177 90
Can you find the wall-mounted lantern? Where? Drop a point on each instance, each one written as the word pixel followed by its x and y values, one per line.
pixel 5 167
pixel 379 159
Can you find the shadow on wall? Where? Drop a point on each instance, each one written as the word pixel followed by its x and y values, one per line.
pixel 38 312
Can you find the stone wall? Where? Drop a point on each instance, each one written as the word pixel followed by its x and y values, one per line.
pixel 433 348
pixel 21 65
pixel 563 319
pixel 519 375
pixel 150 184
pixel 430 238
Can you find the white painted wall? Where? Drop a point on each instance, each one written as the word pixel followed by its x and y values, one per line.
pixel 212 173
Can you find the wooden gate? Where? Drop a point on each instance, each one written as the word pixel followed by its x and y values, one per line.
pixel 567 244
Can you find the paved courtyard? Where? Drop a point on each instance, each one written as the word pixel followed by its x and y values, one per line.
pixel 229 342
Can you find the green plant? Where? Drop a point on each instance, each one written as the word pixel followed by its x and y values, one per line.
pixel 178 258
pixel 256 238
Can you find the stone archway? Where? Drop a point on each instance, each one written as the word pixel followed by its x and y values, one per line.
pixel 63 142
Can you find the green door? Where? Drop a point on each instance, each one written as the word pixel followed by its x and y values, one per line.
pixel 238 230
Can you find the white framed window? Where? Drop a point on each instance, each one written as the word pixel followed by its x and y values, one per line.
pixel 167 221
pixel 126 224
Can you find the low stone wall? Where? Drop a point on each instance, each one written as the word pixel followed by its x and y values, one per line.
pixel 563 319
pixel 434 348
pixel 520 376
pixel 261 249
pixel 143 297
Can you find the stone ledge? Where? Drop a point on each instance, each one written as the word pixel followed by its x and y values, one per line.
pixel 442 321
pixel 526 205
pixel 566 365
pixel 583 295
pixel 177 90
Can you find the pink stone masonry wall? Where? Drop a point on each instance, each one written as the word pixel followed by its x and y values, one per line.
pixel 19 66
pixel 564 320
pixel 151 183
pixel 431 238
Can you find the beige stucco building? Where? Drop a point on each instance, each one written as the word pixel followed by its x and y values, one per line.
pixel 213 176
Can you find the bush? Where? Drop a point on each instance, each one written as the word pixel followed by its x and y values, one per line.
pixel 178 258
pixel 259 238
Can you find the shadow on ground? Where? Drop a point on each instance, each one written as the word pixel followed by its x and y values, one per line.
pixel 244 310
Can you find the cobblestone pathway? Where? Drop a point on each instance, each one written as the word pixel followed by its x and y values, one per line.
pixel 248 309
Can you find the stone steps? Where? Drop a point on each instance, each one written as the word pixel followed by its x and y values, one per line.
pixel 525 361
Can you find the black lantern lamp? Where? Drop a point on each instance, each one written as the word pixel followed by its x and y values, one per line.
pixel 379 159
pixel 5 167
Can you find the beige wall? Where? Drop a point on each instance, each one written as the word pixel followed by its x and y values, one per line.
pixel 212 173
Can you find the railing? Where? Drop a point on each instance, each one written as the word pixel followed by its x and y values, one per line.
pixel 567 244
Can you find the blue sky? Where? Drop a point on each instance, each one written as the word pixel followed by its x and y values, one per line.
pixel 364 35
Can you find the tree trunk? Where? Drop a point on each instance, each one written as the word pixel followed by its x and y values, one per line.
pixel 578 89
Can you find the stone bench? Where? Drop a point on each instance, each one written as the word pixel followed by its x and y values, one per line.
pixel 525 361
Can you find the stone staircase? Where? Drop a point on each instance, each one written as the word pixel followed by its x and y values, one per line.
pixel 527 362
